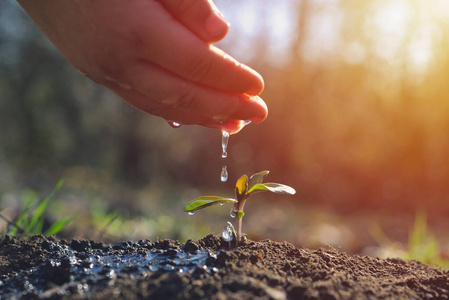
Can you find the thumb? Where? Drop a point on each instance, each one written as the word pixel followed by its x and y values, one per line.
pixel 201 17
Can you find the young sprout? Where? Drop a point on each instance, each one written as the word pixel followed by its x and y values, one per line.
pixel 243 189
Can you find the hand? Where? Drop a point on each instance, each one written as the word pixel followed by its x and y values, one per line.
pixel 155 54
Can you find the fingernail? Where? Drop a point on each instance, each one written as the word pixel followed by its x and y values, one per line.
pixel 216 24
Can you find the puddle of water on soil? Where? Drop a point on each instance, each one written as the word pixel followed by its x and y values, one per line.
pixel 164 261
pixel 82 274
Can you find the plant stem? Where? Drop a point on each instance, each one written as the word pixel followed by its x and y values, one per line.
pixel 240 214
pixel 239 229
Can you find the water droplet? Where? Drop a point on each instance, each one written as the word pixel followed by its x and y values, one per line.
pixel 232 126
pixel 174 124
pixel 221 203
pixel 191 213
pixel 224 175
pixel 233 213
pixel 227 233
pixel 247 122
pixel 224 143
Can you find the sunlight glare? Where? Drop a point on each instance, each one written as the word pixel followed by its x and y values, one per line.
pixel 420 49
pixel 389 25
pixel 414 25
pixel 282 20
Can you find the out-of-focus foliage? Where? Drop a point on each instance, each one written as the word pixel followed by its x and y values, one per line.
pixel 423 245
pixel 357 91
pixel 358 99
pixel 33 218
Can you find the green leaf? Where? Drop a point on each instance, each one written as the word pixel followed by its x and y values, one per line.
pixel 58 185
pixel 240 214
pixel 38 213
pixel 22 218
pixel 58 226
pixel 257 178
pixel 18 224
pixel 272 187
pixel 38 227
pixel 241 186
pixel 206 201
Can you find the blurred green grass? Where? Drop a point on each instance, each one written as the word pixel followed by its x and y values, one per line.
pixel 32 220
pixel 158 215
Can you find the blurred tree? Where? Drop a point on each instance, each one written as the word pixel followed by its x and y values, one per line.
pixel 357 93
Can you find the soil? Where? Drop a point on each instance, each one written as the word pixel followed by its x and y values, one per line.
pixel 49 268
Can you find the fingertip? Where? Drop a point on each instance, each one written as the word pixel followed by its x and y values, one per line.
pixel 260 110
pixel 258 84
pixel 216 26
pixel 252 109
pixel 201 17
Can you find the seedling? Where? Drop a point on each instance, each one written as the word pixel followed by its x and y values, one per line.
pixel 243 189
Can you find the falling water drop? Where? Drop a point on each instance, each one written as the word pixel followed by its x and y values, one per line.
pixel 227 233
pixel 233 213
pixel 224 143
pixel 224 154
pixel 224 175
pixel 191 213
pixel 174 124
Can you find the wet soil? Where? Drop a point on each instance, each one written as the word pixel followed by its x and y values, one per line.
pixel 49 268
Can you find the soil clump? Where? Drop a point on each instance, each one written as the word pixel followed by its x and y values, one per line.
pixel 49 268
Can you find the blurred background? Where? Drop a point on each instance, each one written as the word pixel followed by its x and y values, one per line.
pixel 358 97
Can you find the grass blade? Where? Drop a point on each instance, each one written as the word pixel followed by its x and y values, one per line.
pixel 59 225
pixel 37 215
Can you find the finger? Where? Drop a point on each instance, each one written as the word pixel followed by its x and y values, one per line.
pixel 144 103
pixel 202 17
pixel 177 93
pixel 180 51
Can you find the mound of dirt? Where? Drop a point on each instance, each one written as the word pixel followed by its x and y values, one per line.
pixel 49 268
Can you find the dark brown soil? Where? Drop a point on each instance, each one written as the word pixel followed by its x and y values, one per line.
pixel 41 267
